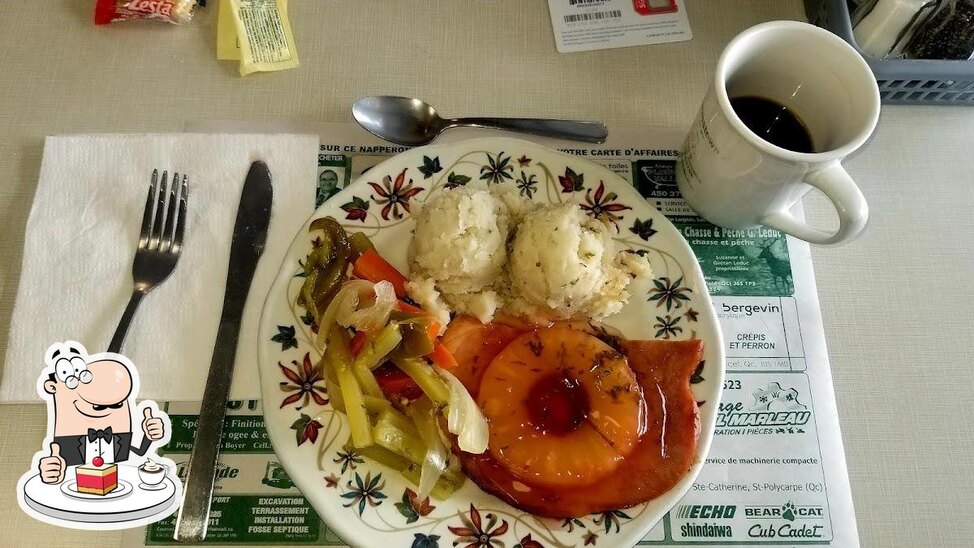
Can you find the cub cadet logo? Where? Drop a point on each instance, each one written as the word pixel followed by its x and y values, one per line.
pixel 788 512
pixel 773 406
pixel 707 511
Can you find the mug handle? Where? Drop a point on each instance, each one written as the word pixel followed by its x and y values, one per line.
pixel 834 182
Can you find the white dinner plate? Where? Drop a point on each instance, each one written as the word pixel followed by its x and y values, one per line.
pixel 368 504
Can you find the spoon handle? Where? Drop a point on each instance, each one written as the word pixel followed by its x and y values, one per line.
pixel 589 132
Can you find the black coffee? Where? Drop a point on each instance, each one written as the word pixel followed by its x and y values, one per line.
pixel 773 122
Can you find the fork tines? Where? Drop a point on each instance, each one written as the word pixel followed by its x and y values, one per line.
pixel 163 222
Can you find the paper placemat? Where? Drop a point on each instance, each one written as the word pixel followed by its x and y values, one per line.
pixel 776 474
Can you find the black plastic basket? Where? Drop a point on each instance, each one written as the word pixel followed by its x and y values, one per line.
pixel 901 81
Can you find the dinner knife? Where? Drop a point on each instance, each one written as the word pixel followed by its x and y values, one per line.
pixel 249 236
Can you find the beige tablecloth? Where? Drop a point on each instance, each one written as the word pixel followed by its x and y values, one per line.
pixel 896 303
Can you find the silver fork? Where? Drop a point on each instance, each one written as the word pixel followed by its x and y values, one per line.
pixel 160 242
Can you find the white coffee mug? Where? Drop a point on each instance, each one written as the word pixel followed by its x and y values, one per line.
pixel 734 178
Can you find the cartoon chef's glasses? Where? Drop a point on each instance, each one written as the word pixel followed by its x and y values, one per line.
pixel 71 371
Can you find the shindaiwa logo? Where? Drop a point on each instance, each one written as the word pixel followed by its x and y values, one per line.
pixel 773 406
pixel 714 512
pixel 707 511
pixel 790 513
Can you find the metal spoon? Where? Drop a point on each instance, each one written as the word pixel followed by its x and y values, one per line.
pixel 413 122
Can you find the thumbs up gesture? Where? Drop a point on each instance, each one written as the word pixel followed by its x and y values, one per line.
pixel 52 467
pixel 152 426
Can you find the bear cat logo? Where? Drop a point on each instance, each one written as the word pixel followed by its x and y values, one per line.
pixel 787 511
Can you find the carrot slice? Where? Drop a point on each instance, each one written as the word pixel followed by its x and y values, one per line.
pixel 442 357
pixel 433 331
pixel 372 267
pixel 403 306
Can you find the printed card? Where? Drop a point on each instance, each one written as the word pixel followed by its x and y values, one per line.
pixel 582 25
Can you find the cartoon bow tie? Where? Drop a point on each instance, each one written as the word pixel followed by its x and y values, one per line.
pixel 105 434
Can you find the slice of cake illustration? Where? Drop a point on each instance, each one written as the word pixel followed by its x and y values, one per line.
pixel 97 479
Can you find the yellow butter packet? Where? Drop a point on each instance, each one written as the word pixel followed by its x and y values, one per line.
pixel 263 35
pixel 227 44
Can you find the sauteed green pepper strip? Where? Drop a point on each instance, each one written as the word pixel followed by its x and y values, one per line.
pixel 360 244
pixel 325 267
pixel 415 340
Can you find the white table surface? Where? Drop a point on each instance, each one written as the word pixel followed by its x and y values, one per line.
pixel 896 303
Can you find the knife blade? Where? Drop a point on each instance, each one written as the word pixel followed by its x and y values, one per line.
pixel 249 236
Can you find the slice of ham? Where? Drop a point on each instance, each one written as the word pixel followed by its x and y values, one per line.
pixel 662 457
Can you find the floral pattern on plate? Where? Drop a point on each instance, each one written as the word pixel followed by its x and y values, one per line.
pixel 367 503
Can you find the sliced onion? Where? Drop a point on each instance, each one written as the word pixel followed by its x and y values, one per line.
pixel 344 309
pixel 464 418
pixel 342 305
pixel 376 316
pixel 435 461
pixel 355 291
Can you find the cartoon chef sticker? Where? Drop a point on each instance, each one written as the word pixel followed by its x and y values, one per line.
pixel 98 469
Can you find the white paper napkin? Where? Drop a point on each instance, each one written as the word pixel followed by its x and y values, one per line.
pixel 82 235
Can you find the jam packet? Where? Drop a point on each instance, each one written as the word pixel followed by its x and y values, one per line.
pixel 177 12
